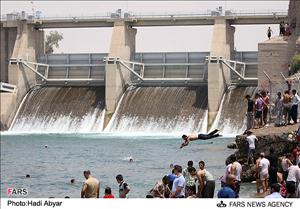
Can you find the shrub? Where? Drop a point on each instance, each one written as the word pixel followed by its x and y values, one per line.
pixel 295 64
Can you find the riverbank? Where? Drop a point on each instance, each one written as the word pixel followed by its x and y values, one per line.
pixel 280 138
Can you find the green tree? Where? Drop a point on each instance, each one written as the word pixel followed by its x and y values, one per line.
pixel 52 40
pixel 295 64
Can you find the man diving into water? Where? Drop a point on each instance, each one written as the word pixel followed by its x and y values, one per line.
pixel 194 137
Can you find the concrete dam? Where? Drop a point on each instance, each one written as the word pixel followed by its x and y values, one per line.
pixel 125 90
pixel 174 99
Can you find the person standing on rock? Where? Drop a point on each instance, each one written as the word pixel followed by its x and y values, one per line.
pixel 295 102
pixel 250 112
pixel 251 139
pixel 266 102
pixel 264 166
pixel 258 110
pixel 278 109
pixel 286 107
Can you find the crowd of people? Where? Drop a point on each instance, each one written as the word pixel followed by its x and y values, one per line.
pixel 284 178
pixel 286 109
pixel 275 181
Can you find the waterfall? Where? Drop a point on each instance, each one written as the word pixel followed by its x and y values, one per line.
pixel 61 110
pixel 231 118
pixel 161 110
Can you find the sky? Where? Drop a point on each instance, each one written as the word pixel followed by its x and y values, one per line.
pixel 149 39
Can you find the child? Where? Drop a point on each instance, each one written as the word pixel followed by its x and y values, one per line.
pixel 108 193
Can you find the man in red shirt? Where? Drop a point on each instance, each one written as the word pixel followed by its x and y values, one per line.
pixel 108 193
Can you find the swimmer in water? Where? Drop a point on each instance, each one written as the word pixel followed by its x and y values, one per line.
pixel 194 137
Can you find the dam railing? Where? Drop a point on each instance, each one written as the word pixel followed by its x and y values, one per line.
pixel 42 74
pixel 138 15
pixel 153 67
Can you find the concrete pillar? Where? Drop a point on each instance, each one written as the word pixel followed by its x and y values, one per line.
pixel 117 77
pixel 219 75
pixel 8 38
pixel 29 43
pixel 272 60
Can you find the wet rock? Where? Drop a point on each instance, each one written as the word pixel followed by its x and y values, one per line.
pixel 268 137
pixel 248 173
pixel 232 146
pixel 281 144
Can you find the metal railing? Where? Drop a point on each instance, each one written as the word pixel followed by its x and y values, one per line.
pixel 6 87
pixel 130 66
pixel 34 67
pixel 135 15
pixel 232 65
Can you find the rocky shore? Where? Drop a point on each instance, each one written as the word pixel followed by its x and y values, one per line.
pixel 280 138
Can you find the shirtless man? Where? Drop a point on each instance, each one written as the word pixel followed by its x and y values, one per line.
pixel 236 170
pixel 194 137
pixel 206 182
pixel 90 187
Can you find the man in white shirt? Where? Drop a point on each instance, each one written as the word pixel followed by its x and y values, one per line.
pixel 251 139
pixel 295 102
pixel 264 165
pixel 178 188
pixel 292 180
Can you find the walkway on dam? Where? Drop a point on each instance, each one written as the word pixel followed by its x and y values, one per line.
pixel 150 19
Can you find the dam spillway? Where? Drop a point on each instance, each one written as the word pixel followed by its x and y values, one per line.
pixel 231 118
pixel 61 110
pixel 161 110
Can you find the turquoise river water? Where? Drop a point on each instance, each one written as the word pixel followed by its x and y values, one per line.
pixel 106 155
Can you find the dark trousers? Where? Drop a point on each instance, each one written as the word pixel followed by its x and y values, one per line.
pixel 294 113
pixel 209 189
pixel 272 176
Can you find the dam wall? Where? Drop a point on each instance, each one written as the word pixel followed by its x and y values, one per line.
pixel 22 41
pixel 154 70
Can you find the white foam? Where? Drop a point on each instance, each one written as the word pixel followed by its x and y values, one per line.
pixel 92 122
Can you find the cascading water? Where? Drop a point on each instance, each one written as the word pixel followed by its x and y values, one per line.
pixel 231 118
pixel 161 110
pixel 61 110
